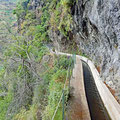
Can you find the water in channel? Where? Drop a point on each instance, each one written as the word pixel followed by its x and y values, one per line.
pixel 95 104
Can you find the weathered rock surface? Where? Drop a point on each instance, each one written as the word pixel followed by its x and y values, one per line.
pixel 97 28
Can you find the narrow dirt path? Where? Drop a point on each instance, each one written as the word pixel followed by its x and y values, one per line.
pixel 78 108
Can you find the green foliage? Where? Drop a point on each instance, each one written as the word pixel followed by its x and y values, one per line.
pixel 6 94
pixel 61 18
pixel 4 104
pixel 27 114
pixel 42 51
pixel 55 89
pixel 47 99
pixel 63 62
pixel 42 29
pixel 56 86
pixel 32 91
pixel 30 16
pixel 41 34
pixel 21 8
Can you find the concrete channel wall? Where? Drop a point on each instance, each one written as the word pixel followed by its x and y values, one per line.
pixel 78 105
pixel 110 103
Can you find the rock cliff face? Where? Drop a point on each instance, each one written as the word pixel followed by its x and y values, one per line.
pixel 96 32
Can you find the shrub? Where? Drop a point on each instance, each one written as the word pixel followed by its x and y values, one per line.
pixel 4 104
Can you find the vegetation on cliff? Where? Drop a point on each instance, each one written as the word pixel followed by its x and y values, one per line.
pixel 31 78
